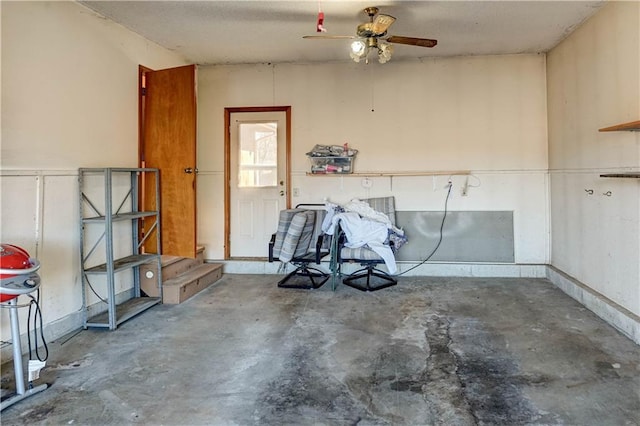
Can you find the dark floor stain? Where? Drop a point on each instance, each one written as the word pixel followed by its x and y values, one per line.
pixel 38 414
pixel 368 390
pixel 444 390
pixel 396 366
pixel 492 381
pixel 303 391
pixel 407 385
pixel 493 392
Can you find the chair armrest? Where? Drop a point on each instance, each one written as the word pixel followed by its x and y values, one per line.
pixel 272 241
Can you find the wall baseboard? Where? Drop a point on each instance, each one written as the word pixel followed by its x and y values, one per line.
pixel 432 269
pixel 615 315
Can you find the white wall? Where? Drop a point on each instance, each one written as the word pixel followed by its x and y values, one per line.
pixel 594 82
pixel 484 114
pixel 69 100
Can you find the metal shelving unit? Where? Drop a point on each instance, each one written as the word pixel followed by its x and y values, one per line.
pixel 101 220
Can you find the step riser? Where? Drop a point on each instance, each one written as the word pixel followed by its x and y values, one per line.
pixel 179 268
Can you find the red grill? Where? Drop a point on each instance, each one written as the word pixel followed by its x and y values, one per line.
pixel 17 272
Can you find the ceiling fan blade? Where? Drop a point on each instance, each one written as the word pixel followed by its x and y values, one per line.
pixel 328 37
pixel 381 23
pixel 423 42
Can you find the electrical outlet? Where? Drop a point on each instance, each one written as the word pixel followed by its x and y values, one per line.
pixel 296 192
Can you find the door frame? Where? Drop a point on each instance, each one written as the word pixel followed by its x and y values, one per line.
pixel 141 163
pixel 141 94
pixel 227 163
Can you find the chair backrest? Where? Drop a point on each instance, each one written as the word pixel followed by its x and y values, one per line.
pixel 284 222
pixel 294 234
pixel 321 213
pixel 386 205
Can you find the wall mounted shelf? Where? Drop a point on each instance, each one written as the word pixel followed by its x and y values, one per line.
pixel 621 175
pixel 633 126
pixel 395 174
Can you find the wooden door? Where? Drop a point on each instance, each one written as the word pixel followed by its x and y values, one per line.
pixel 168 142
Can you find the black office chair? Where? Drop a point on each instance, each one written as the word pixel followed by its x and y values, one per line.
pixel 300 241
pixel 369 277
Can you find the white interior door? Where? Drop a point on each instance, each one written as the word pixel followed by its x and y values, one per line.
pixel 258 183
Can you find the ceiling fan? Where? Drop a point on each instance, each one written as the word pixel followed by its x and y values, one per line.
pixel 372 35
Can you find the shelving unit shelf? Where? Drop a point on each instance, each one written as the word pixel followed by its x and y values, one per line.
pixel 123 263
pixel 99 217
pixel 122 216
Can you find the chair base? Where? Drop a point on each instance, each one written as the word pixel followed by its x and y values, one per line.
pixel 316 278
pixel 369 272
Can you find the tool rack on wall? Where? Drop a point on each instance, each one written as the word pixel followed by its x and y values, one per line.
pixel 110 213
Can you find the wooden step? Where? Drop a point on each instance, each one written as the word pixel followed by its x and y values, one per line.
pixel 180 288
pixel 177 266
pixel 172 266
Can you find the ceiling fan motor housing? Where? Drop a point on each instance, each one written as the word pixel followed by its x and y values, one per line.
pixel 366 30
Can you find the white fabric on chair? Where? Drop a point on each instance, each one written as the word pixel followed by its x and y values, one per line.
pixel 362 231
pixel 365 210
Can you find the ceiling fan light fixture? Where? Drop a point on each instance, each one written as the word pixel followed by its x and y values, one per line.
pixel 355 57
pixel 359 50
pixel 358 47
pixel 385 50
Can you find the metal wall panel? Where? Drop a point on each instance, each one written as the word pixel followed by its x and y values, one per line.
pixel 472 236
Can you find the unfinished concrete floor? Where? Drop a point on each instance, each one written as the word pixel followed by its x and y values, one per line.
pixel 448 351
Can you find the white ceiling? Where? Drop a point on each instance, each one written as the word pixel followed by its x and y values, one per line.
pixel 231 32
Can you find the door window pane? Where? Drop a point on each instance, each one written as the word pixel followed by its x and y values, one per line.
pixel 258 155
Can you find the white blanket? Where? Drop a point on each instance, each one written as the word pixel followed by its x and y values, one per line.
pixel 364 210
pixel 360 231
